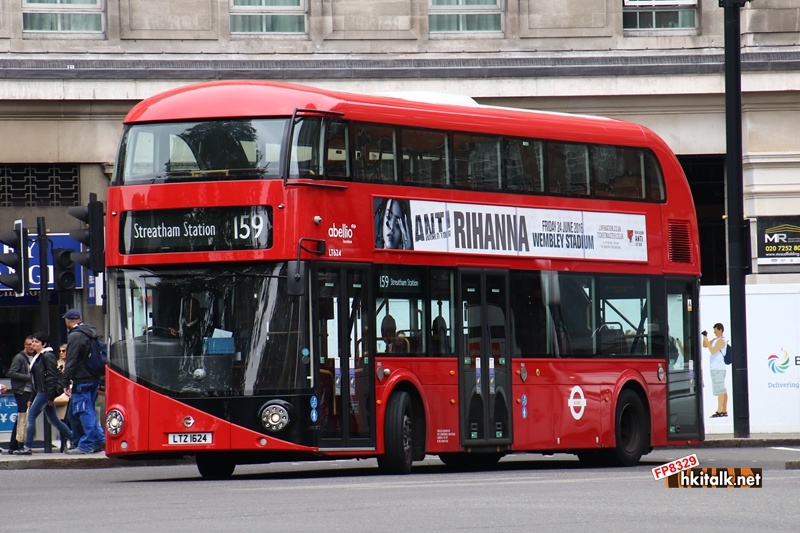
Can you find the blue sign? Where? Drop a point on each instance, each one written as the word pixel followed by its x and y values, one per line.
pixel 54 240
pixel 8 412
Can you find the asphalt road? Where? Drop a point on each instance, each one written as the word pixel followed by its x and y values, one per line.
pixel 524 493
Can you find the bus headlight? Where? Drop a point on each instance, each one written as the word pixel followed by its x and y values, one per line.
pixel 114 422
pixel 275 415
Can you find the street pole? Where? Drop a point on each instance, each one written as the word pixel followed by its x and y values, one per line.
pixel 737 249
pixel 44 306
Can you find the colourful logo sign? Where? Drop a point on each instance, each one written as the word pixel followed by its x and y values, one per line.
pixel 777 365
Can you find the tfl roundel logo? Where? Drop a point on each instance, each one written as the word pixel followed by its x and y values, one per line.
pixel 776 365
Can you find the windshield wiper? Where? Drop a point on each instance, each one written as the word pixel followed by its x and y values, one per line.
pixel 225 172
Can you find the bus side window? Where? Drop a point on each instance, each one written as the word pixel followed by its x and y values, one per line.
pixel 529 315
pixel 425 157
pixel 306 148
pixel 628 183
pixel 440 311
pixel 337 164
pixel 577 162
pixel 374 154
pixel 556 169
pixel 524 166
pixel 654 178
pixel 568 168
pixel 606 165
pixel 577 292
pixel 477 162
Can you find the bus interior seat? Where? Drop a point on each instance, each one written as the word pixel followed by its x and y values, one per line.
pixel 611 340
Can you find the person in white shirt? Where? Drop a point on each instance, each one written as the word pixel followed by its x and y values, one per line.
pixel 717 347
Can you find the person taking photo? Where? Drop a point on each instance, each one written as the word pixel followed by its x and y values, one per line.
pixel 717 347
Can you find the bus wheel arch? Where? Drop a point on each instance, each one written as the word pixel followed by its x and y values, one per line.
pixel 215 466
pixel 631 426
pixel 404 431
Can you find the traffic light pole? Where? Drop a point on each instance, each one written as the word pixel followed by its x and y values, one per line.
pixel 92 237
pixel 17 260
pixel 44 306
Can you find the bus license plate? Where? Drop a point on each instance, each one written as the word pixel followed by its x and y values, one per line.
pixel 190 438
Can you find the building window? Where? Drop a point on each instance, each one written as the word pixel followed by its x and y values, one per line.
pixel 268 16
pixel 445 16
pixel 77 16
pixel 659 15
pixel 39 186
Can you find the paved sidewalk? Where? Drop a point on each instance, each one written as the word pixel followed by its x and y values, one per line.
pixel 40 460
pixel 756 440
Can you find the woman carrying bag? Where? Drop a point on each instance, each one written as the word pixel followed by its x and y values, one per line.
pixel 47 386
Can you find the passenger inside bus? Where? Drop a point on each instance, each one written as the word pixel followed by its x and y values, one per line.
pixel 395 342
pixel 189 326
pixel 441 341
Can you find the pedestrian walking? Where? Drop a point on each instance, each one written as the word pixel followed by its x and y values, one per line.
pixel 84 385
pixel 47 386
pixel 21 386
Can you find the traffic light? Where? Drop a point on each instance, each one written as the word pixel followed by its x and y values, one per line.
pixel 92 237
pixel 63 269
pixel 17 260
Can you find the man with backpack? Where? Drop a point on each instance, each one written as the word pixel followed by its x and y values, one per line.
pixel 81 341
pixel 718 348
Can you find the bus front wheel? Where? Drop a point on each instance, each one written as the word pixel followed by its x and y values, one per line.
pixel 398 436
pixel 213 466
pixel 632 429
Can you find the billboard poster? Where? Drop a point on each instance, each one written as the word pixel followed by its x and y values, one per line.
pixel 450 227
pixel 778 240
pixel 773 357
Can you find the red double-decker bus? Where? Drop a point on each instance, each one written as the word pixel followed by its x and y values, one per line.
pixel 296 273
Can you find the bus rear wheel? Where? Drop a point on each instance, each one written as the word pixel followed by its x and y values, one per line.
pixel 213 466
pixel 632 427
pixel 398 435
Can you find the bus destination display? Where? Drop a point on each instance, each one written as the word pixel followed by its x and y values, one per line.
pixel 199 229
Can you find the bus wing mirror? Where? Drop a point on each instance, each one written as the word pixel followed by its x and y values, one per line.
pixel 296 278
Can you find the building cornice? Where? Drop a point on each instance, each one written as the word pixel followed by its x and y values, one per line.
pixel 537 65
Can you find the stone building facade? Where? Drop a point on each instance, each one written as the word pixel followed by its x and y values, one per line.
pixel 71 69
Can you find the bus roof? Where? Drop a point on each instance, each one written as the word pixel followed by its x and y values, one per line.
pixel 254 98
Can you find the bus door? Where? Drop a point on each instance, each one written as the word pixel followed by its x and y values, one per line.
pixel 344 384
pixel 484 359
pixel 683 379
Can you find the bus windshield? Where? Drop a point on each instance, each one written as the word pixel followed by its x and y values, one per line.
pixel 219 331
pixel 201 151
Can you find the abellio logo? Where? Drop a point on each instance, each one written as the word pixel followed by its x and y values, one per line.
pixel 778 365
pixel 342 232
